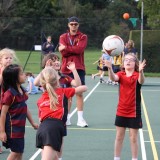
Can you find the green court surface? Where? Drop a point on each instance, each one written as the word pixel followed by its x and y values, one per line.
pixel 97 141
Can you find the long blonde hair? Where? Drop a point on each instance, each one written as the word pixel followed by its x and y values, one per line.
pixel 136 61
pixel 49 81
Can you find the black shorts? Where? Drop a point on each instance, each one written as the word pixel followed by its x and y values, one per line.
pixel 50 133
pixel 126 122
pixel 81 74
pixel 15 144
pixel 98 68
pixel 105 68
pixel 116 68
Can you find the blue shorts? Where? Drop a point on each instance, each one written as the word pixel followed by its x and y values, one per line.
pixel 81 74
pixel 15 144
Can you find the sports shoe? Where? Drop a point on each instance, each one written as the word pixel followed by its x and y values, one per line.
pixel 82 123
pixel 109 82
pixel 93 76
pixel 101 80
pixel 0 149
pixel 68 123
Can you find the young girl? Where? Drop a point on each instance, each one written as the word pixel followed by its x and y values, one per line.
pixel 99 67
pixel 14 111
pixel 7 56
pixel 129 107
pixel 65 81
pixel 31 88
pixel 51 130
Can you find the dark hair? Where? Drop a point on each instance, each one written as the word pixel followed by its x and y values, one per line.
pixel 51 56
pixel 30 74
pixel 11 77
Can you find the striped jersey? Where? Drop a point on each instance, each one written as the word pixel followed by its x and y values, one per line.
pixel 17 113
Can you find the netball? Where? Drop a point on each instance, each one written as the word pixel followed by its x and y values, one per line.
pixel 113 45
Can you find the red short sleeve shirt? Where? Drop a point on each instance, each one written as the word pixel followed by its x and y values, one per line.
pixel 129 95
pixel 44 103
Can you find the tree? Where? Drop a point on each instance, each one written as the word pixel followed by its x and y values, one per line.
pixel 152 11
pixel 6 9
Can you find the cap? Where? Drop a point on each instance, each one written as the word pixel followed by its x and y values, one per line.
pixel 73 19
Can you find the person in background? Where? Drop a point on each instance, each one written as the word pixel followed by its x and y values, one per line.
pixel 105 56
pixel 31 88
pixel 117 65
pixel 14 111
pixel 99 67
pixel 48 46
pixel 51 112
pixel 130 48
pixel 71 46
pixel 128 113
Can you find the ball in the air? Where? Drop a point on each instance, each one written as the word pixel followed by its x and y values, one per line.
pixel 113 45
pixel 126 16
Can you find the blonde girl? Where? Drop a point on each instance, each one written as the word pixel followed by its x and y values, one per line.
pixel 7 57
pixel 52 113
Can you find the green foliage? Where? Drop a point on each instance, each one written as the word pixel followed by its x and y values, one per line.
pixel 91 55
pixel 152 11
pixel 151 48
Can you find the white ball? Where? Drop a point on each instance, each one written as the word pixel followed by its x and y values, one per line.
pixel 113 45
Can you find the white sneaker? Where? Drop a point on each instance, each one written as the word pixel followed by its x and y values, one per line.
pixel 82 123
pixel 68 123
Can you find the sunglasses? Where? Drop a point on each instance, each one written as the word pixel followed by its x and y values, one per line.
pixel 73 24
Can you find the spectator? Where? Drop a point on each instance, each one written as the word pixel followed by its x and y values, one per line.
pixel 48 46
pixel 129 48
pixel 71 46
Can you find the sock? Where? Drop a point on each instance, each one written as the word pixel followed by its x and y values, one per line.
pixel 59 158
pixel 116 158
pixel 134 158
pixel 80 115
pixel 68 116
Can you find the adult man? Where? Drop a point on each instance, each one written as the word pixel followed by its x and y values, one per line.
pixel 71 46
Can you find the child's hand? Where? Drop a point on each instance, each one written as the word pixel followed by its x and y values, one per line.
pixel 35 126
pixel 107 63
pixel 3 136
pixel 71 66
pixel 142 65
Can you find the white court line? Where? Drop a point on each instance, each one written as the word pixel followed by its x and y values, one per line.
pixel 36 154
pixel 74 111
pixel 142 145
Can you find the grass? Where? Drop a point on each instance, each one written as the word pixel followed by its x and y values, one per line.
pixel 91 55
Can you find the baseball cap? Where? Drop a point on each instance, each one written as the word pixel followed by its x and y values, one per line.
pixel 73 19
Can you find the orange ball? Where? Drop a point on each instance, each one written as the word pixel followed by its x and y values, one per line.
pixel 126 15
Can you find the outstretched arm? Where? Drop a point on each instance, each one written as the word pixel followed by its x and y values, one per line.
pixel 76 81
pixel 141 74
pixel 81 89
pixel 111 74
